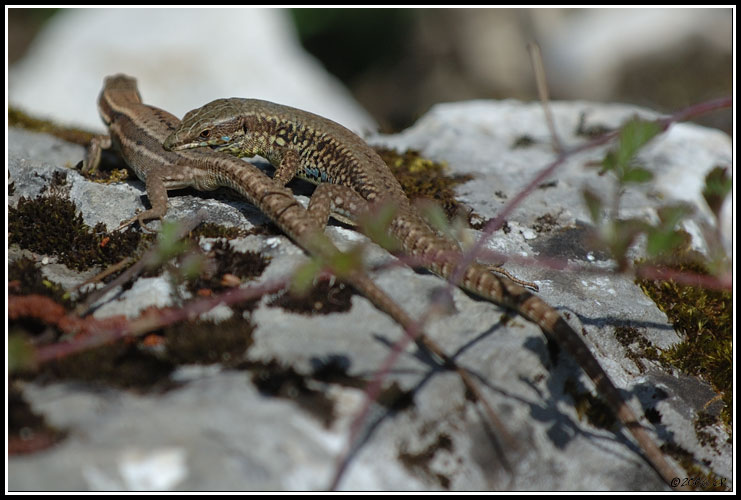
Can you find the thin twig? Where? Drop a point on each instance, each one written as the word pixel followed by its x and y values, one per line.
pixel 131 273
pixel 536 58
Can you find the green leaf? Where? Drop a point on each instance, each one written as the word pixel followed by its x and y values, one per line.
pixel 609 162
pixel 636 174
pixel 671 215
pixel 20 353
pixel 168 244
pixel 620 235
pixel 717 186
pixel 376 226
pixel 304 277
pixel 664 238
pixel 662 242
pixel 633 136
pixel 344 263
pixel 594 205
pixel 192 265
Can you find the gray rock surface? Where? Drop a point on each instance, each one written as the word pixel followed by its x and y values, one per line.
pixel 216 431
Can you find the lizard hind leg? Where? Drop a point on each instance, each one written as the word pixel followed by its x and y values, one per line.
pixel 339 201
pixel 288 167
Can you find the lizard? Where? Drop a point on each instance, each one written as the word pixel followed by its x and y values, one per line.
pixel 137 131
pixel 352 178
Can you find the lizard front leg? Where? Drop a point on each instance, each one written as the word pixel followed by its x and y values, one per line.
pixel 288 168
pixel 157 194
pixel 94 151
pixel 156 191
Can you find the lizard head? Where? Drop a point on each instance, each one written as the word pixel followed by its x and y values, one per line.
pixel 212 125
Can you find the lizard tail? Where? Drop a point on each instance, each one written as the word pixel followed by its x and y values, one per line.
pixel 478 280
pixel 442 256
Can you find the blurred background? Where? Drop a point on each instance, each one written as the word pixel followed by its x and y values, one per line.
pixel 384 67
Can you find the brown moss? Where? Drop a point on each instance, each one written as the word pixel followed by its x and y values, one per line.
pixel 424 179
pixel 420 462
pixel 696 477
pixel 589 406
pixel 26 278
pixel 51 225
pixel 323 298
pixel 28 432
pixel 228 264
pixel 206 342
pixel 120 364
pixel 19 119
pixel 274 379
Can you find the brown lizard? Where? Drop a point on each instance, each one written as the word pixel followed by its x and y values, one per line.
pixel 137 132
pixel 351 178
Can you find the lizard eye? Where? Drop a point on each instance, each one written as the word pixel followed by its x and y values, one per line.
pixel 205 134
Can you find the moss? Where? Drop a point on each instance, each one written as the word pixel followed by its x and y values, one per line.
pixel 591 131
pixel 205 342
pixel 51 225
pixel 228 264
pixel 26 278
pixel 637 347
pixel 395 398
pixel 424 179
pixel 545 223
pixel 420 462
pixel 323 298
pixel 696 476
pixel 28 431
pixel 702 421
pixel 704 319
pixel 19 119
pixel 211 230
pixel 120 364
pixel 589 406
pixel 273 379
pixel 524 141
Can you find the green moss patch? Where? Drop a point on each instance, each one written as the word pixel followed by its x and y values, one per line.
pixel 704 319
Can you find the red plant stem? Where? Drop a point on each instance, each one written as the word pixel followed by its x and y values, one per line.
pixel 99 332
pixel 493 225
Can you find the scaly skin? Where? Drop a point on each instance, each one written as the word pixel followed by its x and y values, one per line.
pixel 352 177
pixel 137 131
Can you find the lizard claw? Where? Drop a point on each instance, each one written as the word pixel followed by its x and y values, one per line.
pixel 140 217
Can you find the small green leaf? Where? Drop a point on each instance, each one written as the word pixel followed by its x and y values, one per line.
pixel 609 162
pixel 664 238
pixel 717 186
pixel 20 353
pixel 435 216
pixel 376 226
pixel 192 265
pixel 620 235
pixel 304 277
pixel 344 263
pixel 168 244
pixel 671 215
pixel 662 242
pixel 636 174
pixel 633 136
pixel 594 205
